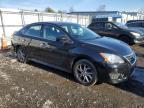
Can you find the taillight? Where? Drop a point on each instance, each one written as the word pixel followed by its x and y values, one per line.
pixel 13 35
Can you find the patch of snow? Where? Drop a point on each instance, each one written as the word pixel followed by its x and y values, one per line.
pixel 13 61
pixel 47 104
pixel 5 76
pixel 138 75
pixel 15 88
pixel 2 104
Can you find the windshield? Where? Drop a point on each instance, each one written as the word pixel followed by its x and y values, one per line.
pixel 120 25
pixel 79 32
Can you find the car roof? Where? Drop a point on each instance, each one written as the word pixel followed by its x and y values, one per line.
pixel 101 22
pixel 55 23
pixel 135 21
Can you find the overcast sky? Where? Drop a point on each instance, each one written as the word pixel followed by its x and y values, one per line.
pixel 78 5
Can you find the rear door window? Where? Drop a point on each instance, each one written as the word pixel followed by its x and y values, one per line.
pixel 34 31
pixel 98 26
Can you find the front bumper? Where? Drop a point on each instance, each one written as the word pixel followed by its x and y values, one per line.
pixel 116 73
pixel 120 73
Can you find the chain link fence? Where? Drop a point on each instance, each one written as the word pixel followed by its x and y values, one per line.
pixel 11 21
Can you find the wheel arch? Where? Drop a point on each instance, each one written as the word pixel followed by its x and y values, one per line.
pixel 80 57
pixel 121 35
pixel 128 36
pixel 84 57
pixel 16 47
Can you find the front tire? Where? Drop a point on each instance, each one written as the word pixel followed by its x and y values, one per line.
pixel 85 72
pixel 21 55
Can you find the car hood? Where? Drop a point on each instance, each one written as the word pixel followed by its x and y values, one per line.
pixel 109 45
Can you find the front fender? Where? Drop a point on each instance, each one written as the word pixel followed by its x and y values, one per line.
pixel 83 53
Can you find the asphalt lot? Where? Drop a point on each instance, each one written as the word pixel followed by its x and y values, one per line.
pixel 36 86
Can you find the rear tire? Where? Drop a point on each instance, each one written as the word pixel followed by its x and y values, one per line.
pixel 85 72
pixel 21 55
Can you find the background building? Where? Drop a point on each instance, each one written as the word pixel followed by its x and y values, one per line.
pixel 115 16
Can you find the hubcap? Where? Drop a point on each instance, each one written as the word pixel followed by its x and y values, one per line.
pixel 84 73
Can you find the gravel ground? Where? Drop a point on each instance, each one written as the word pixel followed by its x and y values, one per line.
pixel 36 86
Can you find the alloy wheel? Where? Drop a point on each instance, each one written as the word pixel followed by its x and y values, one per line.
pixel 85 72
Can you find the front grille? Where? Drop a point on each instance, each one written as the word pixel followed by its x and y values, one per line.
pixel 131 58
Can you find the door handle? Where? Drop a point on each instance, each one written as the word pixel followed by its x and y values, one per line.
pixel 51 44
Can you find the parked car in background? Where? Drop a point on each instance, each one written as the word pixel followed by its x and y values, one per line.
pixel 117 31
pixel 136 24
pixel 75 49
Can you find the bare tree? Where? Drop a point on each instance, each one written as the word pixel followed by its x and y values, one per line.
pixel 101 8
pixel 36 10
pixel 62 11
pixel 71 9
pixel 50 10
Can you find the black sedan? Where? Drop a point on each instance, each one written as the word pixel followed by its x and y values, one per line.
pixel 75 49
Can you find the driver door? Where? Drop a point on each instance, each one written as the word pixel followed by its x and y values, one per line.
pixel 111 30
pixel 56 53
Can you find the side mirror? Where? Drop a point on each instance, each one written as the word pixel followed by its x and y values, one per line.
pixel 109 28
pixel 64 40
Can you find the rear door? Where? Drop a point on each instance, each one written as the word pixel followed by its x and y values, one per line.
pixel 34 34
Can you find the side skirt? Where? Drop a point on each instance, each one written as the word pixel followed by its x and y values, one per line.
pixel 50 65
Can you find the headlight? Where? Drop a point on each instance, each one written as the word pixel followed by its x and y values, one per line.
pixel 136 34
pixel 111 58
